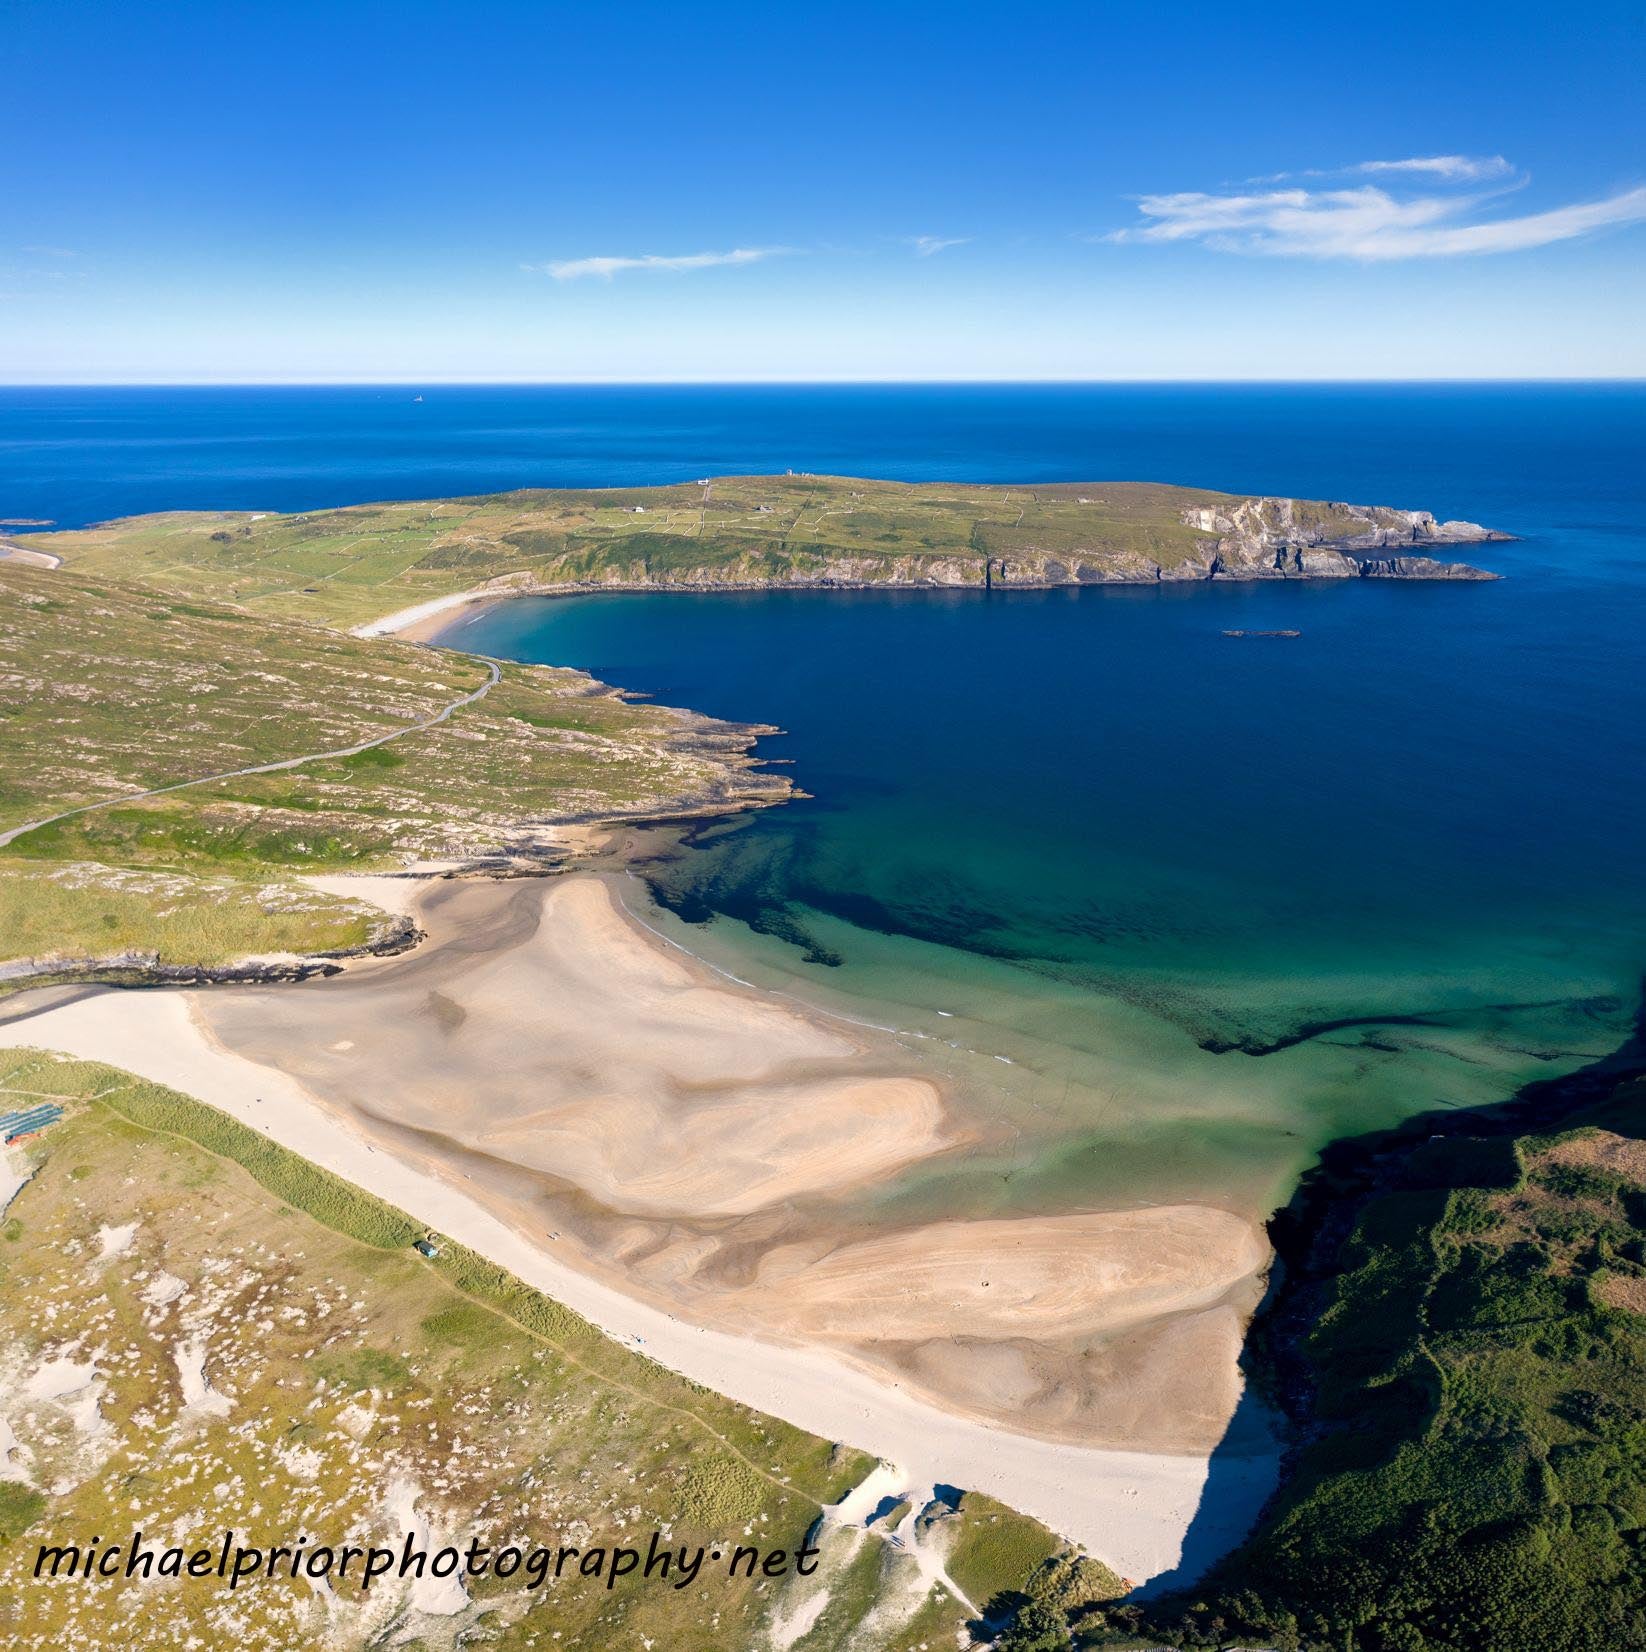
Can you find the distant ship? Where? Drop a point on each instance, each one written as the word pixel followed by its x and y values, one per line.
pixel 417 398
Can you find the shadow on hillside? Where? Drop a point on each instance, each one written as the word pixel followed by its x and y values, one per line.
pixel 1251 1463
pixel 1241 1475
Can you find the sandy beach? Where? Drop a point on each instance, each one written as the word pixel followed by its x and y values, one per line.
pixel 423 620
pixel 29 559
pixel 693 1165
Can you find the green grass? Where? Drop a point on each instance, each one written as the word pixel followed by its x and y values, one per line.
pixel 1475 1475
pixel 91 910
pixel 116 687
pixel 342 567
pixel 997 1552
pixel 328 1199
pixel 370 1221
pixel 20 1507
pixel 348 1361
pixel 121 689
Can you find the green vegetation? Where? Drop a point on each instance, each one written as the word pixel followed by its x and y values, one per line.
pixel 107 911
pixel 20 1507
pixel 997 1552
pixel 1064 1589
pixel 114 689
pixel 328 1199
pixel 341 1366
pixel 175 647
pixel 1474 1475
pixel 344 567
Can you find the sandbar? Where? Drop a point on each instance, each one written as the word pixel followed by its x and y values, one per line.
pixel 700 1169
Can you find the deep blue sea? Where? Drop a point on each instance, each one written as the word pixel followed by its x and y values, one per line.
pixel 1186 905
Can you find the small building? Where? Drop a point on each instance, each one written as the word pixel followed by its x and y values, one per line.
pixel 29 1122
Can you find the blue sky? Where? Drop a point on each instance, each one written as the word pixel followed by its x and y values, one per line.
pixel 500 191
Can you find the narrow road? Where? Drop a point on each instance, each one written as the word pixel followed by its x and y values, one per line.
pixel 495 675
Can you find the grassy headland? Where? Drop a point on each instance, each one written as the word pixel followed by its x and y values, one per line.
pixel 116 688
pixel 345 567
pixel 1461 1339
pixel 168 649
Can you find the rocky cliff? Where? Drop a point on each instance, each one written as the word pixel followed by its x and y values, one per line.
pixel 1245 539
pixel 351 566
pixel 1289 538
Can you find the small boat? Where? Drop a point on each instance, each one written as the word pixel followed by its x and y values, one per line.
pixel 1263 633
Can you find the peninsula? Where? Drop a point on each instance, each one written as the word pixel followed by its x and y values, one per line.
pixel 351 567
pixel 174 770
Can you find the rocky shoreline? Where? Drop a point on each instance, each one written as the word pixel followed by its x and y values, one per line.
pixel 1260 539
pixel 530 848
pixel 137 969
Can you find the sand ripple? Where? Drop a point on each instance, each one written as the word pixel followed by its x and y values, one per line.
pixel 725 1153
pixel 1027 1277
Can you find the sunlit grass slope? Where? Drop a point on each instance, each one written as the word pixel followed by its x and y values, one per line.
pixel 344 1373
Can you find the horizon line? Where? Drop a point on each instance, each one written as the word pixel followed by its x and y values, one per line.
pixel 799 382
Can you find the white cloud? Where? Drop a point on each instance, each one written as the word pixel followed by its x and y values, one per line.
pixel 571 269
pixel 1367 222
pixel 926 245
pixel 1453 168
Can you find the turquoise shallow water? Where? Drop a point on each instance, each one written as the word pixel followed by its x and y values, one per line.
pixel 1144 868
pixel 1117 872
pixel 1193 905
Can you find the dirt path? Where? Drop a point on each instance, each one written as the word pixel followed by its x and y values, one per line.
pixel 493 678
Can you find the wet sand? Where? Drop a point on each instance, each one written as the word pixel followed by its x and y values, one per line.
pixel 718 1152
pixel 698 1168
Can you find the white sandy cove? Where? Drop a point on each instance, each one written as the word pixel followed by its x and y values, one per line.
pixel 403 618
pixel 1130 1509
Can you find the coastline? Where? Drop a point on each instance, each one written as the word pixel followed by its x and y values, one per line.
pixel 544 1046
pixel 1131 1508
pixel 432 622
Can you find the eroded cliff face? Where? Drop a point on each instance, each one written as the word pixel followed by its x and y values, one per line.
pixel 1255 538
pixel 1290 538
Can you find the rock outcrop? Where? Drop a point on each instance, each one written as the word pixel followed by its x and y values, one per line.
pixel 1290 539
pixel 1245 539
pixel 146 969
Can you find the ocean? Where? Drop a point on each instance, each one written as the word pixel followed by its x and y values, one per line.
pixel 1175 908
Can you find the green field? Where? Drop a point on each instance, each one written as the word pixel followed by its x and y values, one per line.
pixel 159 1236
pixel 344 567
